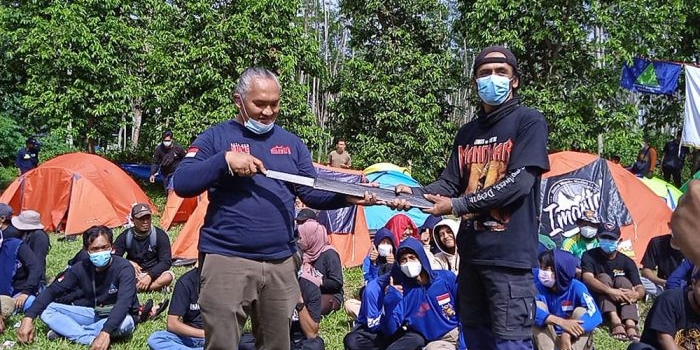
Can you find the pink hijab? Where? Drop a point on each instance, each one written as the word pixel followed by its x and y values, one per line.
pixel 313 240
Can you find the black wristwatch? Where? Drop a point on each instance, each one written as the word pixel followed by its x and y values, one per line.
pixel 300 306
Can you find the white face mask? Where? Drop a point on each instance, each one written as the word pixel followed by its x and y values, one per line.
pixel 411 268
pixel 588 231
pixel 546 277
pixel 384 249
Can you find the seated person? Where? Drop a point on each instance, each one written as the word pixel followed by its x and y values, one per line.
pixel 426 234
pixel 425 315
pixel 305 321
pixel 19 273
pixel 445 236
pixel 147 248
pixel 614 279
pixel 185 328
pixel 367 335
pixel 566 313
pixel 6 227
pixel 321 264
pixel 31 231
pixel 673 321
pixel 108 307
pixel 403 227
pixel 585 239
pixel 663 256
pixel 378 262
pixel 681 276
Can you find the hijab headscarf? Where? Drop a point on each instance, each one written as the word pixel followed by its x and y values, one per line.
pixel 398 223
pixel 313 241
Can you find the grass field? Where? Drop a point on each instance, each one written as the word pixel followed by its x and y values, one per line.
pixel 333 327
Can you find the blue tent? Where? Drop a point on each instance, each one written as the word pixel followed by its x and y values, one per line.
pixel 378 215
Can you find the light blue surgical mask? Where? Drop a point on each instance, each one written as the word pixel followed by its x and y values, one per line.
pixel 493 89
pixel 100 259
pixel 254 125
pixel 607 245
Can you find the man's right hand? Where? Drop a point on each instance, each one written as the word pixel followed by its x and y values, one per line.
pixel 136 266
pixel 152 179
pixel 243 164
pixel 617 295
pixel 400 204
pixel 26 331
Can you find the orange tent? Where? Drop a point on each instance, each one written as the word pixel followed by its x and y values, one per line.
pixel 351 246
pixel 649 212
pixel 177 210
pixel 75 191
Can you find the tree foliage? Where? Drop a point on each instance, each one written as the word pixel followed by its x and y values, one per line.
pixel 391 103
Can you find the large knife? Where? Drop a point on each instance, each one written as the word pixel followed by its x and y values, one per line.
pixel 352 189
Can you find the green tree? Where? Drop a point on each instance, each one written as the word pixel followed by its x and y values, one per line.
pixel 391 104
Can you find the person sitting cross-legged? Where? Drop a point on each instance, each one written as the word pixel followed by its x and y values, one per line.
pixel 148 249
pixel 664 256
pixel 107 308
pixel 185 328
pixel 20 274
pixel 321 264
pixel 674 320
pixel 614 279
pixel 566 313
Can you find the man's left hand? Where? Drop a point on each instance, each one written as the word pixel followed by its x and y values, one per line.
pixel 441 205
pixel 144 282
pixel 101 342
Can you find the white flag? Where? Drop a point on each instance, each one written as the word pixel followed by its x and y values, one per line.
pixel 691 123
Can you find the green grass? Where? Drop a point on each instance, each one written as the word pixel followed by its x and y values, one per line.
pixel 333 327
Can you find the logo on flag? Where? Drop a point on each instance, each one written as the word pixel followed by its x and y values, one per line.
pixel 653 77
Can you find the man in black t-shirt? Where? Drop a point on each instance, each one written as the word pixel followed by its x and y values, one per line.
pixel 31 231
pixel 166 157
pixel 673 159
pixel 492 181
pixel 663 256
pixel 148 249
pixel 305 321
pixel 673 321
pixel 614 279
pixel 185 327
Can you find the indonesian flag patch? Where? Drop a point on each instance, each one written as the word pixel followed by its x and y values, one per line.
pixel 444 299
pixel 567 305
pixel 191 152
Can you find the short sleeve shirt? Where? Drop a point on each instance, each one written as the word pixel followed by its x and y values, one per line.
pixel 672 314
pixel 596 262
pixel 661 257
pixel 184 302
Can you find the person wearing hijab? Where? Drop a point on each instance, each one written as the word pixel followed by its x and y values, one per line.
pixel 321 264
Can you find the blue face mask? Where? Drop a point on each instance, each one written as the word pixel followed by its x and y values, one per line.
pixel 608 245
pixel 254 125
pixel 100 259
pixel 493 89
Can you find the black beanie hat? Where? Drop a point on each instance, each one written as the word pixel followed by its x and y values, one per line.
pixel 509 59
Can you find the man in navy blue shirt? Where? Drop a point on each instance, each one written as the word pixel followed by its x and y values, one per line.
pixel 492 181
pixel 247 239
pixel 28 156
pixel 107 306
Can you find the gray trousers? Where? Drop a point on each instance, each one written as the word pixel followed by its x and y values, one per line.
pixel 233 289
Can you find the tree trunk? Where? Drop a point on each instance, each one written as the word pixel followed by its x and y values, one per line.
pixel 136 122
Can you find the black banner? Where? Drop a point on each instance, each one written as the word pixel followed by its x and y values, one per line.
pixel 564 198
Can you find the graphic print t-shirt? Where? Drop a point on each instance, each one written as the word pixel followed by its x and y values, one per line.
pixel 672 314
pixel 596 262
pixel 484 152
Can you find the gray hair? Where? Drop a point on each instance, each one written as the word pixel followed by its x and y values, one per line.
pixel 249 74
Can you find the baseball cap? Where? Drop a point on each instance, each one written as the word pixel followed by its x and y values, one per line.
pixel 509 59
pixel 306 214
pixel 5 210
pixel 609 230
pixel 589 216
pixel 140 210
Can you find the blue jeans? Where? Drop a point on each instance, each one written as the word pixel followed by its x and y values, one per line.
pixel 162 340
pixel 79 324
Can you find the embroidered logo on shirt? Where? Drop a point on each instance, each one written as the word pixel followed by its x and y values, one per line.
pixel 618 273
pixel 279 149
pixel 445 303
pixel 567 305
pixel 191 152
pixel 240 147
pixel 194 307
pixel 112 289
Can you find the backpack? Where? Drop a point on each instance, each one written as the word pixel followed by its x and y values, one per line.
pixel 152 236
